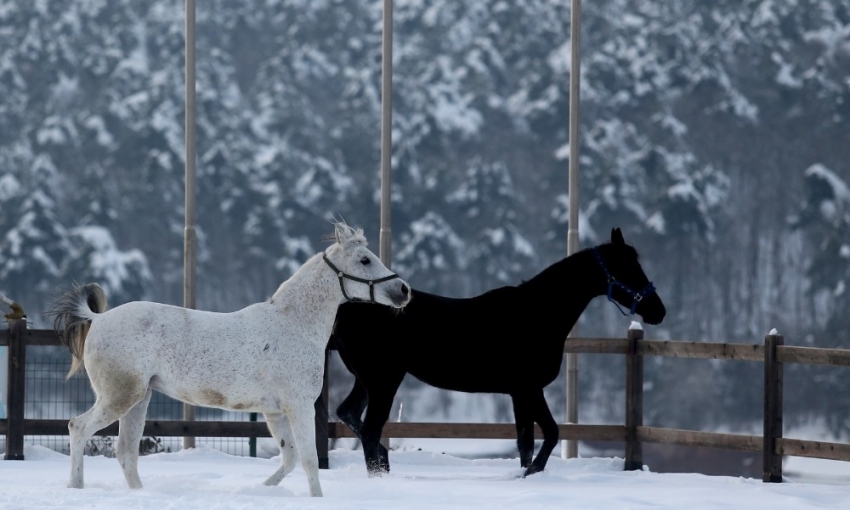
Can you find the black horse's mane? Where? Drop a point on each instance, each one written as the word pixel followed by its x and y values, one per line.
pixel 605 247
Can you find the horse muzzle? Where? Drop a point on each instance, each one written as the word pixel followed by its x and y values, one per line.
pixel 401 295
pixel 654 314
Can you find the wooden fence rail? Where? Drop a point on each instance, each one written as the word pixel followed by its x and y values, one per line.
pixel 773 354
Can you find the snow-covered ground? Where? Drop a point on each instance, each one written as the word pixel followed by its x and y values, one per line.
pixel 204 478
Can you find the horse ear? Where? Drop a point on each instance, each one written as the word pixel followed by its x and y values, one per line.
pixel 339 233
pixel 617 236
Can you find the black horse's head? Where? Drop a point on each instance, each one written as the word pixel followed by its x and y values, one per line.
pixel 626 283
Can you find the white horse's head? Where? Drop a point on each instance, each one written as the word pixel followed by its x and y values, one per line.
pixel 362 276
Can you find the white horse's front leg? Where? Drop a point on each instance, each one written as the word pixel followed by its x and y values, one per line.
pixel 302 418
pixel 282 433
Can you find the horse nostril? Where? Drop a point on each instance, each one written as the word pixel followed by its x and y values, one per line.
pixel 405 289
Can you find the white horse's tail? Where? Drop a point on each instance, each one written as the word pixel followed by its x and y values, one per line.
pixel 73 312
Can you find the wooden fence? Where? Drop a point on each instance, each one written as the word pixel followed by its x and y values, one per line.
pixel 774 354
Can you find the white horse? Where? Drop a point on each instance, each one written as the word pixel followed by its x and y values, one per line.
pixel 267 357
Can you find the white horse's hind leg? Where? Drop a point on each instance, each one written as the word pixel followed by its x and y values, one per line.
pixel 282 433
pixel 302 419
pixel 116 394
pixel 131 426
pixel 81 429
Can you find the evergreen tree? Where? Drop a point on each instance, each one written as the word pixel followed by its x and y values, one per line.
pixel 123 275
pixel 825 217
pixel 34 243
pixel 431 255
pixel 498 253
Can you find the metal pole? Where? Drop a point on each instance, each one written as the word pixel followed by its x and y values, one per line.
pixel 385 246
pixel 189 236
pixel 570 447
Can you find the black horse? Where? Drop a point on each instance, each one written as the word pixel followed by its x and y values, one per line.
pixel 508 340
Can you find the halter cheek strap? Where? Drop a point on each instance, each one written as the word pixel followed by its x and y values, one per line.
pixel 371 283
pixel 637 297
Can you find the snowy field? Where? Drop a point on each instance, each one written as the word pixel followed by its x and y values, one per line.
pixel 204 478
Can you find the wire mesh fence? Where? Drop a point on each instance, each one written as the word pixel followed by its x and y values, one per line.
pixel 49 395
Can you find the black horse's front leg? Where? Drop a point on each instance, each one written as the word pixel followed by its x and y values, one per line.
pixel 351 408
pixel 376 455
pixel 524 428
pixel 380 401
pixel 543 416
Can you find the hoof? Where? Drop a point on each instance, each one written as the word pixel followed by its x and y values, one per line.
pixel 273 481
pixel 377 471
pixel 532 469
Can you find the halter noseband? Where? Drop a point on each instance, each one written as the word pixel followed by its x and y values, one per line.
pixel 340 275
pixel 636 296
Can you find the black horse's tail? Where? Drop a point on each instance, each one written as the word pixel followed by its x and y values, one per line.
pixel 73 312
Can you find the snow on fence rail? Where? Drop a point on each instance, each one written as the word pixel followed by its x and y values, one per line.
pixel 773 354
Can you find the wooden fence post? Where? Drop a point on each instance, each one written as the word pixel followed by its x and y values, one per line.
pixel 17 379
pixel 322 420
pixel 634 401
pixel 773 381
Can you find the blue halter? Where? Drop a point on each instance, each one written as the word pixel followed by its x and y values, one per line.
pixel 636 296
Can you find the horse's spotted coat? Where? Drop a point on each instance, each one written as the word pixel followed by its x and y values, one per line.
pixel 267 357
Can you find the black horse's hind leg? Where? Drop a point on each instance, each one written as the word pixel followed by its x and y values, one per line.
pixel 543 416
pixel 380 401
pixel 351 409
pixel 524 428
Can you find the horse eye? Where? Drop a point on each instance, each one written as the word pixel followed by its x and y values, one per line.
pixel 365 261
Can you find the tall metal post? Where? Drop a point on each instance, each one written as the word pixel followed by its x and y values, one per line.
pixel 386 239
pixel 189 235
pixel 570 447
pixel 385 248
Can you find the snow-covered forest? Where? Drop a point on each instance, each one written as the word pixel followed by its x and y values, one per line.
pixel 715 134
